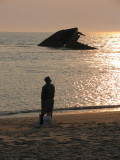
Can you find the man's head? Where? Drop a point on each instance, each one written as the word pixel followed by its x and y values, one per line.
pixel 47 79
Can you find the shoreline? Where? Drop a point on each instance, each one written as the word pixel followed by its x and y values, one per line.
pixel 91 109
pixel 87 136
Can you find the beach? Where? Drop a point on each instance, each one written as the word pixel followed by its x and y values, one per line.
pixel 85 136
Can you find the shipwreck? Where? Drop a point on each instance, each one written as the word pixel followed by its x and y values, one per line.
pixel 67 38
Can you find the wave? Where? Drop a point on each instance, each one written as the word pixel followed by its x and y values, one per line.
pixel 75 108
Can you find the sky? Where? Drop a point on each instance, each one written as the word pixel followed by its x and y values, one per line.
pixel 53 15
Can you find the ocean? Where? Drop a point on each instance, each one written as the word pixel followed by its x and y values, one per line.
pixel 83 78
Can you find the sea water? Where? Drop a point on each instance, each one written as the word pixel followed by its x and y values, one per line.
pixel 82 78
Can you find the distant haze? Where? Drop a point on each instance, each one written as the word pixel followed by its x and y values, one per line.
pixel 53 15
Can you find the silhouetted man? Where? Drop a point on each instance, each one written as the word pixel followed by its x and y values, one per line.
pixel 47 98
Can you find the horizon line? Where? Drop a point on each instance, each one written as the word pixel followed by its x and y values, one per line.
pixel 51 31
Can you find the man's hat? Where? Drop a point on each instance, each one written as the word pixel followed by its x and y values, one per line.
pixel 47 79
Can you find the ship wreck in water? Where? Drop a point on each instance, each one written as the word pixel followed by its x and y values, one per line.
pixel 67 38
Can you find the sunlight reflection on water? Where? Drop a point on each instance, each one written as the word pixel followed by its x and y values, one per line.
pixel 82 78
pixel 96 82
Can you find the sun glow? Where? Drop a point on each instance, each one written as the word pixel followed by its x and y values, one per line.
pixel 115 60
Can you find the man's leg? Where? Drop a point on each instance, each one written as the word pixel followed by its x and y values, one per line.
pixel 42 112
pixel 42 115
pixel 41 119
pixel 50 107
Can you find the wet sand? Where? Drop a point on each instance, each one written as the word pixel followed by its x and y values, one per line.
pixel 86 136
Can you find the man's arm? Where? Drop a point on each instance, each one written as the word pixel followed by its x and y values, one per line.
pixel 53 91
pixel 43 94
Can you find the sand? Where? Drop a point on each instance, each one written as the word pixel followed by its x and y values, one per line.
pixel 86 136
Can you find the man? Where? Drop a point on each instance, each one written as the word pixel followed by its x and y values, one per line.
pixel 47 98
